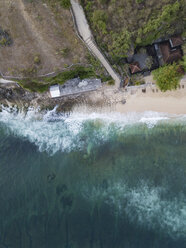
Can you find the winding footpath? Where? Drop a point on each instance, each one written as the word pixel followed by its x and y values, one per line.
pixel 86 35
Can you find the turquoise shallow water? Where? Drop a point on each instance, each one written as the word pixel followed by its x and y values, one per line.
pixel 97 180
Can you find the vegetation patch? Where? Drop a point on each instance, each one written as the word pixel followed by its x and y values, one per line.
pixel 183 63
pixel 138 83
pixel 5 39
pixel 167 77
pixel 34 85
pixel 111 82
pixel 37 59
pixel 98 68
pixel 42 85
pixel 119 26
pixel 65 3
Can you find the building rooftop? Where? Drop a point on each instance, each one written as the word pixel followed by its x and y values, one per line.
pixel 54 91
pixel 176 41
pixel 135 67
pixel 75 86
pixel 169 55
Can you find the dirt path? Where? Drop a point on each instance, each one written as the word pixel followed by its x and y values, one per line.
pixel 86 35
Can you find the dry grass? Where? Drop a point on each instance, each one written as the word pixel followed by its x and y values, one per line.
pixel 38 29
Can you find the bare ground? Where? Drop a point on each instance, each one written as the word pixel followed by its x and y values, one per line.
pixel 38 29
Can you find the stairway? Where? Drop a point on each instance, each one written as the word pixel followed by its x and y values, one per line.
pixel 86 35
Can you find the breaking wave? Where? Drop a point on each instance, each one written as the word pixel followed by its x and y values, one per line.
pixel 144 205
pixel 52 132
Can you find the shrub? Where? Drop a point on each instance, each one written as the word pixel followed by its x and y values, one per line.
pixel 121 44
pixel 34 85
pixel 139 82
pixel 99 20
pixel 167 77
pixel 65 4
pixel 37 60
pixel 78 71
pixel 3 41
pixel 43 84
pixel 183 63
pixel 111 82
pixel 149 62
pixel 64 52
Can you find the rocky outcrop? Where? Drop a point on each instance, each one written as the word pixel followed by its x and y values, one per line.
pixel 13 95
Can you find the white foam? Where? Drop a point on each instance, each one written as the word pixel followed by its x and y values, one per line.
pixel 152 121
pixel 151 209
pixel 54 132
pixel 144 206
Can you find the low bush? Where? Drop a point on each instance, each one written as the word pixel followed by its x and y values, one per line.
pixel 42 85
pixel 167 77
pixel 111 82
pixel 65 4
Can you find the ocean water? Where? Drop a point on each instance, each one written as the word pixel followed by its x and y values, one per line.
pixel 94 180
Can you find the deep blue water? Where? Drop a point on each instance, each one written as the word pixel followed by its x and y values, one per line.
pixel 92 181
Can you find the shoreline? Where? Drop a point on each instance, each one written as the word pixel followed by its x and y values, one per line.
pixel 170 102
pixel 106 99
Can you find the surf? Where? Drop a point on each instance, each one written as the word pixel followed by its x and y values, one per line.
pixel 51 131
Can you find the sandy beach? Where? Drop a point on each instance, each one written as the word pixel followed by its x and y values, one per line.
pixel 172 102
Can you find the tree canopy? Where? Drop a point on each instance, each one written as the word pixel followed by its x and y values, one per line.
pixel 121 43
pixel 119 26
pixel 167 77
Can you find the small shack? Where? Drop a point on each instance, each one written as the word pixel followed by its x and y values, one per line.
pixel 135 67
pixel 54 91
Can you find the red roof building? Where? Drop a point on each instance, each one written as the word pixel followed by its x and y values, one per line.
pixel 134 67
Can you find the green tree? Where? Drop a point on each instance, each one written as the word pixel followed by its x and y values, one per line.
pixel 121 44
pixel 99 20
pixel 167 77
pixel 160 24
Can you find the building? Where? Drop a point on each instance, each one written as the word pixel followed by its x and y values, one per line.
pixel 145 59
pixel 176 41
pixel 54 91
pixel 169 54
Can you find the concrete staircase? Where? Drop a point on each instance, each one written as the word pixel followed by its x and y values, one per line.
pixel 86 35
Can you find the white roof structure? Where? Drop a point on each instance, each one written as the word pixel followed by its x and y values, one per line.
pixel 54 91
pixel 4 81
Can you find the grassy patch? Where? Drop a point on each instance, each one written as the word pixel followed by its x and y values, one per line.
pixel 34 85
pixel 42 85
